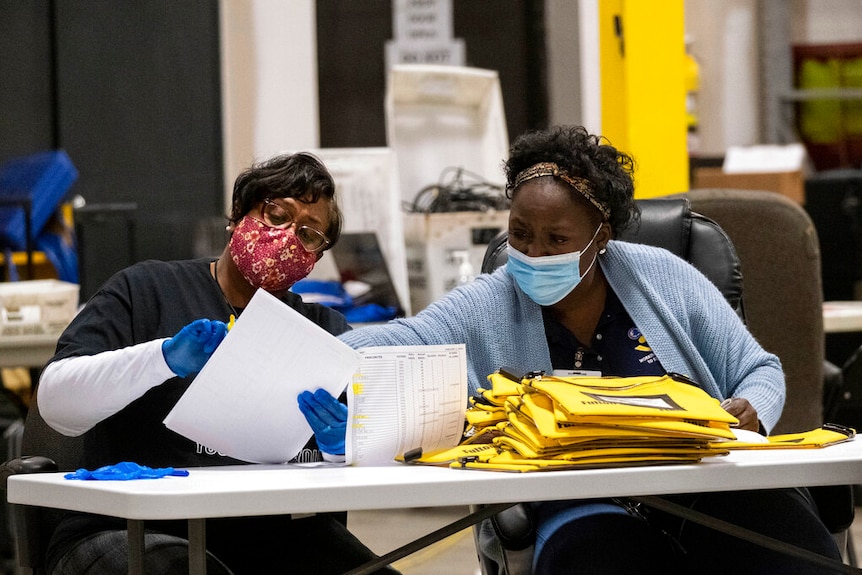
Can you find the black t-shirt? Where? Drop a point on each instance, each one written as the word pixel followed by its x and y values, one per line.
pixel 147 301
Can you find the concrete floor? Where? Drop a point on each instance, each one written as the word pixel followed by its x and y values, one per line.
pixel 384 531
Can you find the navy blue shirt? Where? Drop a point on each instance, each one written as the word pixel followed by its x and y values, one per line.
pixel 618 348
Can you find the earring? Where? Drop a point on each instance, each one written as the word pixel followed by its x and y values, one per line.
pixel 602 251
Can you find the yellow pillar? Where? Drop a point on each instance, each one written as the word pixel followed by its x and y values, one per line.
pixel 642 63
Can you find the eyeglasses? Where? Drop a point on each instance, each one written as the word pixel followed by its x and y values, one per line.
pixel 276 215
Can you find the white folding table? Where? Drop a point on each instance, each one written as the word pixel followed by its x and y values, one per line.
pixel 842 316
pixel 273 490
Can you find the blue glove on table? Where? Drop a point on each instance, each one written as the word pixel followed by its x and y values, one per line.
pixel 189 350
pixel 327 418
pixel 124 471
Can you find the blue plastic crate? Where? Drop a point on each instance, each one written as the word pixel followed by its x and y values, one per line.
pixel 44 178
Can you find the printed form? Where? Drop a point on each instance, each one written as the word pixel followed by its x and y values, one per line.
pixel 406 398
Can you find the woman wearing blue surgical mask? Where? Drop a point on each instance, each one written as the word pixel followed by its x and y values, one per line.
pixel 574 300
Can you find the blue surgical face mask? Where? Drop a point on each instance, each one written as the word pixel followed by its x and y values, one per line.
pixel 548 279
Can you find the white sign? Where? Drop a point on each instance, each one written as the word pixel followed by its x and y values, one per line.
pixel 422 31
pixel 422 20
pixel 449 53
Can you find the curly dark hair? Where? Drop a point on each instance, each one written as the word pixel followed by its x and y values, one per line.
pixel 582 155
pixel 301 176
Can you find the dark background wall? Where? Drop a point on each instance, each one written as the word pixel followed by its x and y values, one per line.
pixel 131 91
pixel 26 85
pixel 505 36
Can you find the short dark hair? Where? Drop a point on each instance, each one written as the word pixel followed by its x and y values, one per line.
pixel 583 155
pixel 301 176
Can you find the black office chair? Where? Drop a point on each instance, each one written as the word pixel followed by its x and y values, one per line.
pixel 671 224
pixel 43 450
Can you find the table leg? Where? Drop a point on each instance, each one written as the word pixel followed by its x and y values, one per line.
pixel 433 537
pixel 197 547
pixel 743 533
pixel 135 528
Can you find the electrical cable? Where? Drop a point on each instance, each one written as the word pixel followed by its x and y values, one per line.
pixel 459 190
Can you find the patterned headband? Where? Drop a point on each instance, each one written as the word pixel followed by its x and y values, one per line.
pixel 580 185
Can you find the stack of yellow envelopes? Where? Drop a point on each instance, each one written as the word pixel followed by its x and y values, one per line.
pixel 540 422
pixel 548 422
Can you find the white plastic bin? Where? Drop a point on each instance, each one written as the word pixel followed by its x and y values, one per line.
pixel 37 307
pixel 440 117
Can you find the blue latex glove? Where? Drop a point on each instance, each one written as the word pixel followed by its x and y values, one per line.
pixel 125 471
pixel 327 418
pixel 189 350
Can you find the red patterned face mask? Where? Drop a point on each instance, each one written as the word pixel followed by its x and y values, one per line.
pixel 269 258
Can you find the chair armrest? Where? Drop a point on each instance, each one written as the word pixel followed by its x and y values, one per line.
pixel 515 527
pixel 30 538
pixel 25 464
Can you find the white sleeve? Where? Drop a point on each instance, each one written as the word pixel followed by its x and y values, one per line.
pixel 76 393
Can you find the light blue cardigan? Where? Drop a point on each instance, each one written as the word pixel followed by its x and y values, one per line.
pixel 685 319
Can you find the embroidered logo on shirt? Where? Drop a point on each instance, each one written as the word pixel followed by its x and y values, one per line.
pixel 636 335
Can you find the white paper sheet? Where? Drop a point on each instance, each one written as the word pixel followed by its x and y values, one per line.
pixel 403 398
pixel 243 402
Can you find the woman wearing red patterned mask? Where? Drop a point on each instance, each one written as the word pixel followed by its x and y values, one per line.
pixel 284 216
pixel 134 349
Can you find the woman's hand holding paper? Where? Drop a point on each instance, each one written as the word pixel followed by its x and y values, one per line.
pixel 327 418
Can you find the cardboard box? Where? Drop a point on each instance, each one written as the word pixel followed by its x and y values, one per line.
pixel 790 184
pixel 37 307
